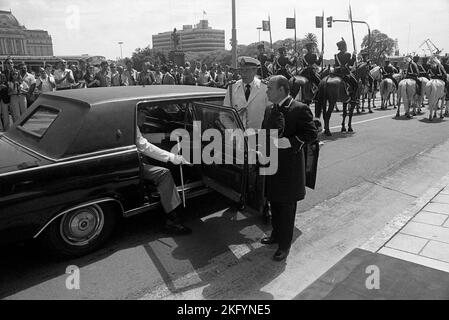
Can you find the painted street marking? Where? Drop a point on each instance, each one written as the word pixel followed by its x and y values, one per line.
pixel 390 115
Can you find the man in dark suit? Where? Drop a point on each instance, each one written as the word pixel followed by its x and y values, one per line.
pixel 286 187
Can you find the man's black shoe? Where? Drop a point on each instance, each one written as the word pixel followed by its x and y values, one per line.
pixel 280 255
pixel 268 240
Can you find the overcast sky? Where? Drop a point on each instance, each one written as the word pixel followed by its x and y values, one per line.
pixel 101 24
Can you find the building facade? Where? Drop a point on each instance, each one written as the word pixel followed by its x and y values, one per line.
pixel 200 38
pixel 16 40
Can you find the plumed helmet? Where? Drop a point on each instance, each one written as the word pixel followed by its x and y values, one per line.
pixel 341 44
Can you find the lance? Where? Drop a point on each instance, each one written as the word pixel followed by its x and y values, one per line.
pixel 182 178
pixel 352 27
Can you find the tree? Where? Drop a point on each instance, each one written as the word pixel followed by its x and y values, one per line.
pixel 380 46
pixel 147 55
pixel 310 37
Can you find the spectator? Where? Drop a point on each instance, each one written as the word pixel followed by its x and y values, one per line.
pixel 17 90
pixel 116 79
pixel 45 82
pixel 130 73
pixel 4 96
pixel 220 78
pixel 157 75
pixel 49 69
pixel 29 83
pixel 204 78
pixel 167 78
pixel 179 75
pixel 103 76
pixel 146 77
pixel 63 76
pixel 82 68
pixel 89 77
pixel 189 78
pixel 123 78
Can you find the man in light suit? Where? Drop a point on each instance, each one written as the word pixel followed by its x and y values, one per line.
pixel 247 95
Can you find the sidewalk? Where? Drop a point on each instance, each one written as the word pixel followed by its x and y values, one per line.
pixel 411 254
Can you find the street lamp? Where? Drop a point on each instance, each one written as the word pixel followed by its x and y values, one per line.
pixel 259 28
pixel 121 53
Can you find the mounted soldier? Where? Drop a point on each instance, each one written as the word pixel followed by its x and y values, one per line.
pixel 282 62
pixel 423 68
pixel 387 72
pixel 263 71
pixel 367 61
pixel 343 61
pixel 413 73
pixel 437 71
pixel 311 62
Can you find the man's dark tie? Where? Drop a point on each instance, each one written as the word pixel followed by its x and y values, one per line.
pixel 247 91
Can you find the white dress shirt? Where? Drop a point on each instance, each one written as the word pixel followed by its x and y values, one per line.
pixel 151 150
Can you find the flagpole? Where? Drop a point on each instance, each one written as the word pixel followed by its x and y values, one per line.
pixel 271 41
pixel 322 41
pixel 296 52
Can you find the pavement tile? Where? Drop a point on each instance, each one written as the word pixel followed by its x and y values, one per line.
pixel 407 243
pixel 442 208
pixel 441 198
pixel 428 262
pixel 427 231
pixel 436 250
pixel 436 219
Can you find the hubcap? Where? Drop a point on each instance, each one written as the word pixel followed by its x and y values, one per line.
pixel 83 225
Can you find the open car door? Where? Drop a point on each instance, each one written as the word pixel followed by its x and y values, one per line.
pixel 229 173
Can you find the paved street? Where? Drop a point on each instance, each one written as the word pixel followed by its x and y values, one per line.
pixel 365 180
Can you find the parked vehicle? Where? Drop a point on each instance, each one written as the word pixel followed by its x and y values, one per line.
pixel 69 168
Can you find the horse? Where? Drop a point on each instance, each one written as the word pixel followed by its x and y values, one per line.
pixel 387 87
pixel 435 91
pixel 376 74
pixel 301 89
pixel 406 92
pixel 420 98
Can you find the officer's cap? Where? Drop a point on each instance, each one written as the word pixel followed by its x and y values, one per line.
pixel 247 62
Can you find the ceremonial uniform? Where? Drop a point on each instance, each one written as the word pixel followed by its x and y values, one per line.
pixel 344 60
pixel 437 71
pixel 282 62
pixel 413 73
pixel 387 72
pixel 310 61
pixel 251 111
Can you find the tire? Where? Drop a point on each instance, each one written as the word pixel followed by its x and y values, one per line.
pixel 80 231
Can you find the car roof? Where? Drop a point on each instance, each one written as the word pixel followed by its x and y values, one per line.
pixel 94 96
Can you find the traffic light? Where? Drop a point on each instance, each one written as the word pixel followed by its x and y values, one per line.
pixel 329 22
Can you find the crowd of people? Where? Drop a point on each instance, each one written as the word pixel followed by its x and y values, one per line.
pixel 19 87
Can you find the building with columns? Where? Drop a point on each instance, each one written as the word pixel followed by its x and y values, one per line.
pixel 16 40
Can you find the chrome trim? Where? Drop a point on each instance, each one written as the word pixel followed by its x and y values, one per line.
pixel 77 207
pixel 136 211
pixel 134 149
pixel 72 157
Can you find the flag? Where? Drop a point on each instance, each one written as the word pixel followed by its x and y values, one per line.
pixel 266 25
pixel 318 22
pixel 291 23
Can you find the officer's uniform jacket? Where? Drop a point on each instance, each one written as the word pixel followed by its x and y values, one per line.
pixel 412 70
pixel 344 60
pixel 310 59
pixel 252 111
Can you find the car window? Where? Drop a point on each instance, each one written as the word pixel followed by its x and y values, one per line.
pixel 39 121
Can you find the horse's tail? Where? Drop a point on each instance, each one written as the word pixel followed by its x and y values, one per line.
pixel 384 87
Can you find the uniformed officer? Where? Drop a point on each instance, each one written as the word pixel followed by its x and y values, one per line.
pixel 282 62
pixel 247 95
pixel 387 72
pixel 310 62
pixel 263 71
pixel 413 73
pixel 344 60
pixel 437 71
pixel 367 61
pixel 424 68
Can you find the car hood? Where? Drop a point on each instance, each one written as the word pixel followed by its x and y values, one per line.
pixel 14 158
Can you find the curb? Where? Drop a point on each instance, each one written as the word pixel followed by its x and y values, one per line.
pixel 376 242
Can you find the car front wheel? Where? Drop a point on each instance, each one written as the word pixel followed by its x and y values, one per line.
pixel 80 231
